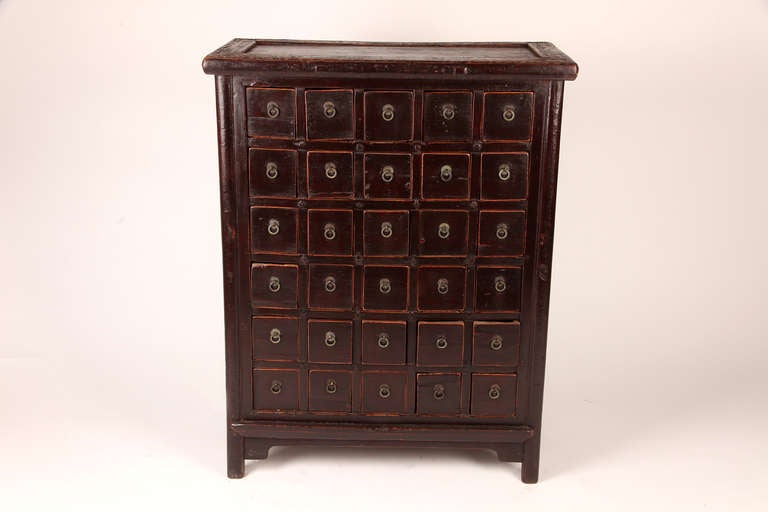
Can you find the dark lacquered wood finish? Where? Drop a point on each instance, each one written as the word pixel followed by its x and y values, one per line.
pixel 387 219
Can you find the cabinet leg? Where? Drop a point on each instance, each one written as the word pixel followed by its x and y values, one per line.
pixel 530 470
pixel 235 456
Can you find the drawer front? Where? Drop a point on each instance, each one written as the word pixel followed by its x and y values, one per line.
pixel 329 341
pixel 504 176
pixel 496 343
pixel 448 116
pixel 389 116
pixel 498 289
pixel 331 287
pixel 438 394
pixel 385 288
pixel 440 344
pixel 330 114
pixel 443 232
pixel 271 112
pixel 445 176
pixel 330 390
pixel 507 116
pixel 386 233
pixel 276 390
pixel 330 174
pixel 501 233
pixel 274 286
pixel 329 232
pixel 274 230
pixel 387 176
pixel 275 338
pixel 441 288
pixel 494 394
pixel 386 392
pixel 384 342
pixel 272 172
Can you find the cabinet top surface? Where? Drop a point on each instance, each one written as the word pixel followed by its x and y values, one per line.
pixel 536 60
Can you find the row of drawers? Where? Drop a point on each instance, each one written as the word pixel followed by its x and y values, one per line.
pixel 387 176
pixel 386 392
pixel 275 230
pixel 388 116
pixel 385 342
pixel 386 288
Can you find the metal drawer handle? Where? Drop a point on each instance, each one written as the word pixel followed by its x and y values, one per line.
pixel 383 341
pixel 273 110
pixel 387 112
pixel 442 286
pixel 509 113
pixel 385 286
pixel 271 171
pixel 384 391
pixel 502 230
pixel 330 386
pixel 274 284
pixel 330 339
pixel 448 111
pixel 276 387
pixel 500 284
pixel 330 170
pixel 438 391
pixel 444 230
pixel 273 227
pixel 497 342
pixel 330 284
pixel 274 336
pixel 329 109
pixel 387 173
pixel 386 229
pixel 329 231
pixel 446 173
pixel 441 342
pixel 504 172
pixel 495 392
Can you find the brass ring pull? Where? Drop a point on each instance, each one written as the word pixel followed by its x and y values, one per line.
pixel 330 339
pixel 273 227
pixel 505 172
pixel 273 110
pixel 385 286
pixel 500 284
pixel 438 391
pixel 386 229
pixel 329 231
pixel 494 393
pixel 444 230
pixel 330 170
pixel 497 342
pixel 448 111
pixel 383 340
pixel 330 386
pixel 329 109
pixel 384 391
pixel 387 174
pixel 274 336
pixel 441 342
pixel 330 284
pixel 276 387
pixel 442 286
pixel 502 231
pixel 509 113
pixel 446 173
pixel 274 284
pixel 387 112
pixel 271 171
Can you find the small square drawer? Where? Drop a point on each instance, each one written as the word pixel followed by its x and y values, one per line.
pixel 274 286
pixel 331 287
pixel 493 394
pixel 448 116
pixel 504 176
pixel 271 112
pixel 330 174
pixel 498 288
pixel 386 233
pixel 445 176
pixel 385 288
pixel 438 394
pixel 387 176
pixel 275 390
pixel 495 343
pixel 275 338
pixel 274 229
pixel 443 232
pixel 330 390
pixel 389 115
pixel 330 232
pixel 507 115
pixel 329 341
pixel 384 342
pixel 386 392
pixel 441 288
pixel 272 172
pixel 440 344
pixel 330 114
pixel 501 233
